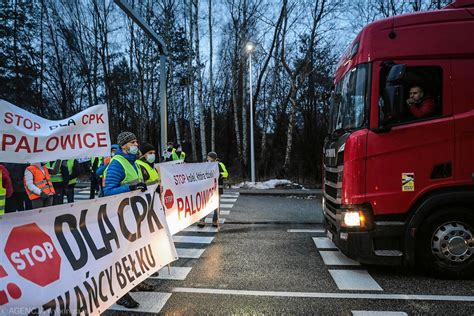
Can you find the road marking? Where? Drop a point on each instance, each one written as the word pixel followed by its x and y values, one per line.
pixel 359 280
pixel 368 296
pixel 193 239
pixel 85 192
pixel 337 258
pixel 228 200
pixel 81 197
pixel 324 243
pixel 226 205
pixel 150 302
pixel 232 196
pixel 317 231
pixel 224 212
pixel 378 313
pixel 231 193
pixel 189 253
pixel 174 273
pixel 202 229
pixel 209 220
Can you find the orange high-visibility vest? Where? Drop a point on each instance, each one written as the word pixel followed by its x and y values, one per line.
pixel 42 181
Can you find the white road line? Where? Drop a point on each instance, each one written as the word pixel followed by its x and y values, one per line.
pixel 337 258
pixel 193 239
pixel 317 231
pixel 226 206
pixel 174 273
pixel 84 192
pixel 324 243
pixel 378 313
pixel 359 280
pixel 209 220
pixel 206 229
pixel 150 302
pixel 189 253
pixel 231 196
pixel 224 212
pixel 228 200
pixel 367 296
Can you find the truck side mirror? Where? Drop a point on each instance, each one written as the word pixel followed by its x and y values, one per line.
pixel 396 74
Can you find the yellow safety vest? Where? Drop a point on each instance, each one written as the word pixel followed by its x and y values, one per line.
pixel 58 177
pixel 3 195
pixel 152 172
pixel 132 176
pixel 70 166
pixel 224 172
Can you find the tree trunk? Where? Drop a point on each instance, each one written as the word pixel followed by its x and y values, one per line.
pixel 211 82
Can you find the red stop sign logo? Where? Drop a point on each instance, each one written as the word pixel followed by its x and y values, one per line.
pixel 169 199
pixel 33 255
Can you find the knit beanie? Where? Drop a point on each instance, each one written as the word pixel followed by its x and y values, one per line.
pixel 125 137
pixel 212 155
pixel 146 147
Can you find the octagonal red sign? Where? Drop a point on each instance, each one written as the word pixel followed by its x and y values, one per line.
pixel 168 199
pixel 33 255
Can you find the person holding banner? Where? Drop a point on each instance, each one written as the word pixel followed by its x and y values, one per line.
pixel 223 174
pixel 146 163
pixel 19 200
pixel 168 153
pixel 123 175
pixel 100 170
pixel 38 185
pixel 179 154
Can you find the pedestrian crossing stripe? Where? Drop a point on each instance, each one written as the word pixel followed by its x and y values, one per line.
pixel 228 200
pixel 191 253
pixel 172 273
pixel 337 258
pixel 150 302
pixel 224 212
pixel 193 239
pixel 226 205
pixel 209 220
pixel 206 229
pixel 354 280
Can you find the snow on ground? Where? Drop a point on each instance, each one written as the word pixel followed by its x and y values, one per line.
pixel 270 184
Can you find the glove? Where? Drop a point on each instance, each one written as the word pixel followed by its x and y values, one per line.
pixel 139 186
pixel 44 195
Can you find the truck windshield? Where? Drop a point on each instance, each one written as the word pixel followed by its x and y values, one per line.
pixel 349 100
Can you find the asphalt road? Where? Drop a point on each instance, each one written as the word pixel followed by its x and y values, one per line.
pixel 264 260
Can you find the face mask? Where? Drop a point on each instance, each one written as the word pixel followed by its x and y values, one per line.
pixel 179 149
pixel 133 150
pixel 150 158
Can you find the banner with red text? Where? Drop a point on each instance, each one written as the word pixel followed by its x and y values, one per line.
pixel 190 192
pixel 26 137
pixel 79 258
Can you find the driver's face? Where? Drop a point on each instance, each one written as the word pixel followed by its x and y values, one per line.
pixel 416 94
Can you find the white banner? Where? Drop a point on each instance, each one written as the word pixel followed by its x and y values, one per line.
pixel 26 137
pixel 190 192
pixel 82 257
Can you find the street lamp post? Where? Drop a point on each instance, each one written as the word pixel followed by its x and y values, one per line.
pixel 250 47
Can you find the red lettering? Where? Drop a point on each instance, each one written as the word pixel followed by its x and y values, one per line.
pixel 8 118
pixel 101 139
pixel 180 205
pixel 91 118
pixel 100 118
pixel 198 201
pixel 85 117
pixel 19 117
pixel 48 143
pixel 23 144
pixel 28 123
pixel 37 126
pixel 85 140
pixel 7 139
pixel 187 209
pixel 65 140
pixel 35 146
pixel 192 205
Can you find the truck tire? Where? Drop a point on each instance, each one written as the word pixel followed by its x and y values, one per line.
pixel 446 244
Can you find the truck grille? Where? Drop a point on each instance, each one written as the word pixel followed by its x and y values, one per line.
pixel 333 184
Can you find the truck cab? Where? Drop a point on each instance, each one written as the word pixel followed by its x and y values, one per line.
pixel 398 162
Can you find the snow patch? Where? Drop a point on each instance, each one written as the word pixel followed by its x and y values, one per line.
pixel 270 184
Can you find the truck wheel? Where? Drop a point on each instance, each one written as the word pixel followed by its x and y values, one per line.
pixel 446 244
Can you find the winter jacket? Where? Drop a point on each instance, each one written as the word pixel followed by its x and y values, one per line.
pixel 115 175
pixel 6 181
pixel 17 172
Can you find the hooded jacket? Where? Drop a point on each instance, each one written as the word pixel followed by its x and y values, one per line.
pixel 115 175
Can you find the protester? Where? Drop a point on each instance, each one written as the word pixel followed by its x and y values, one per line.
pixel 38 185
pixel 73 172
pixel 95 163
pixel 58 172
pixel 100 170
pixel 179 154
pixel 6 189
pixel 146 164
pixel 19 200
pixel 223 174
pixel 122 175
pixel 168 153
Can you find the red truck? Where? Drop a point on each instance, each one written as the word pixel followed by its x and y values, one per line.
pixel 398 163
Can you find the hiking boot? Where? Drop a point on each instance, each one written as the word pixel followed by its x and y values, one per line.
pixel 215 224
pixel 143 287
pixel 127 301
pixel 201 224
pixel 156 274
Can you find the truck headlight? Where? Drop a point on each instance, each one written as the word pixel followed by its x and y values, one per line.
pixel 357 216
pixel 353 219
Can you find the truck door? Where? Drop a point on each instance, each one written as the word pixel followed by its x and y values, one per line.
pixel 414 153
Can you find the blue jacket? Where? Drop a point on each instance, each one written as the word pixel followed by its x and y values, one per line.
pixel 115 175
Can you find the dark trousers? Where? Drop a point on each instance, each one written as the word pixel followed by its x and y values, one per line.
pixel 39 203
pixel 70 193
pixel 58 198
pixel 94 185
pixel 18 202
